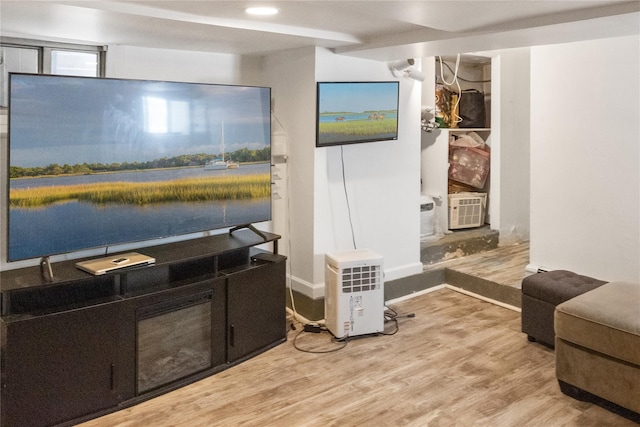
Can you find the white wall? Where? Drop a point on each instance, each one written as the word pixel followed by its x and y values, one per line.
pixel 510 132
pixel 585 158
pixel 434 152
pixel 291 77
pixel 174 65
pixel 382 180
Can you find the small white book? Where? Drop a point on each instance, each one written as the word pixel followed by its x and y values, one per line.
pixel 104 265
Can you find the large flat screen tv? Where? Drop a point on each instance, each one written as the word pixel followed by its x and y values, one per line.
pixel 355 112
pixel 96 162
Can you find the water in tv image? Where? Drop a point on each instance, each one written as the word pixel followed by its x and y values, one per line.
pixel 101 162
pixel 352 112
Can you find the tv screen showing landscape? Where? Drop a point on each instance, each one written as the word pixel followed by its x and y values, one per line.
pixel 355 112
pixel 95 163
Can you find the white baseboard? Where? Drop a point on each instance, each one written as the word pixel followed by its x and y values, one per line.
pixel 533 268
pixel 316 291
pixel 306 288
pixel 402 271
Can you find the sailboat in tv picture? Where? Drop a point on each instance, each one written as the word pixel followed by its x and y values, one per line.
pixel 220 163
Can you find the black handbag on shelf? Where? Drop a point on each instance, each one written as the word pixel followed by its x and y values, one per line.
pixel 472 110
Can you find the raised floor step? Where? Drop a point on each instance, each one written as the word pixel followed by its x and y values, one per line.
pixel 458 244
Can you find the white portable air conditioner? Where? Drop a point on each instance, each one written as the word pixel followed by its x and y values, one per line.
pixel 354 293
pixel 466 210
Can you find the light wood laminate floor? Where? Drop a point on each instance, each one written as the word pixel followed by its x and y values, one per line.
pixel 460 362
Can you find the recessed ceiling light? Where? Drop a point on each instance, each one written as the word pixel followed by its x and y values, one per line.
pixel 263 11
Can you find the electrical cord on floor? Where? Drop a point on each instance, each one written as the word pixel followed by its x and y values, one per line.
pixel 390 315
pixel 313 328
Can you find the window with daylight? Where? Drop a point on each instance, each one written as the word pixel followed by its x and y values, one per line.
pixel 41 57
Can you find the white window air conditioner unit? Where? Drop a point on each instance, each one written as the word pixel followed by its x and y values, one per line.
pixel 466 210
pixel 354 293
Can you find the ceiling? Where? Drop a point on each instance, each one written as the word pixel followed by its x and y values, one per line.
pixel 380 30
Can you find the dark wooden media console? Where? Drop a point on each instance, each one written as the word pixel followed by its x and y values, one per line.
pixel 81 346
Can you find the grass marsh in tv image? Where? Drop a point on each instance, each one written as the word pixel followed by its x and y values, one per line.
pixel 353 112
pixel 101 162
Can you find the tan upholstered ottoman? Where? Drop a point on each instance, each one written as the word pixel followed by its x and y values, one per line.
pixel 598 345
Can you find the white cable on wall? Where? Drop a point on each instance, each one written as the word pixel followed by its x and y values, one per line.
pixel 455 73
pixel 296 316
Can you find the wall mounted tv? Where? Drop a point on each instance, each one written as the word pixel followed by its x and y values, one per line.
pixel 97 162
pixel 355 112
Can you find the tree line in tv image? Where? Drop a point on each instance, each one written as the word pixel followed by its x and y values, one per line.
pixel 357 126
pixel 82 206
pixel 61 213
pixel 201 188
